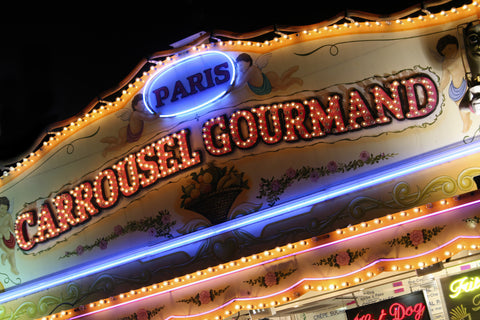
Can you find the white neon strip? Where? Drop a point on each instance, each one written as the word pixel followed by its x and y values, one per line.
pixel 396 170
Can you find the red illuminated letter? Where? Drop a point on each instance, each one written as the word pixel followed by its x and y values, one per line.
pixel 420 90
pixel 128 175
pixel 105 188
pixel 150 166
pixel 269 124
pixel 243 129
pixel 21 230
pixel 47 228
pixel 83 195
pixel 333 115
pixel 393 103
pixel 64 208
pixel 295 124
pixel 359 110
pixel 188 159
pixel 216 138
pixel 166 159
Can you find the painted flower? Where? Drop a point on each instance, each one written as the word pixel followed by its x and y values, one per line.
pixel 314 176
pixel 291 173
pixel 270 279
pixel 166 219
pixel 142 314
pixel 332 166
pixel 416 237
pixel 342 258
pixel 103 244
pixel 276 185
pixel 364 156
pixel 80 250
pixel 204 297
pixel 152 231
pixel 118 230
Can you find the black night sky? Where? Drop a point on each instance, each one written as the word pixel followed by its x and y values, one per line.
pixel 51 69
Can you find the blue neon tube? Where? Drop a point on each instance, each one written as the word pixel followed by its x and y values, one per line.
pixel 290 208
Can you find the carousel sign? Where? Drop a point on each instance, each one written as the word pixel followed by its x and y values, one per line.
pixel 403 99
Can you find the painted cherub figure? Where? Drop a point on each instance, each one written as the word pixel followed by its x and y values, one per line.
pixel 471 36
pixel 454 77
pixel 133 130
pixel 262 83
pixel 7 245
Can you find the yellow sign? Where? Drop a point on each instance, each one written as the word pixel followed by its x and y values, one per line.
pixel 462 285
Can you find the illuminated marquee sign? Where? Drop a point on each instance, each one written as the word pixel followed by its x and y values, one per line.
pixel 408 307
pixel 128 176
pixel 462 295
pixel 190 84
pixel 464 285
pixel 405 99
pixel 314 119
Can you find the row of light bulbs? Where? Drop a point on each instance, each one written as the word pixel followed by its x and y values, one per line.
pixel 138 83
pixel 274 255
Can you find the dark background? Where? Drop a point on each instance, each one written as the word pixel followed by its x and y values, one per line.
pixel 53 66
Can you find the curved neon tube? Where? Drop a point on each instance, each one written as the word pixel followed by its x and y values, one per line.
pixel 281 291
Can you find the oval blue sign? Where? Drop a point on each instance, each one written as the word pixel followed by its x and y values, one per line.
pixel 190 84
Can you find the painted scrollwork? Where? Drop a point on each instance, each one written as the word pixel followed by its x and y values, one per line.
pixel 404 197
pixel 465 178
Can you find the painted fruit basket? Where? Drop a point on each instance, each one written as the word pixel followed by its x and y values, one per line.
pixel 212 191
